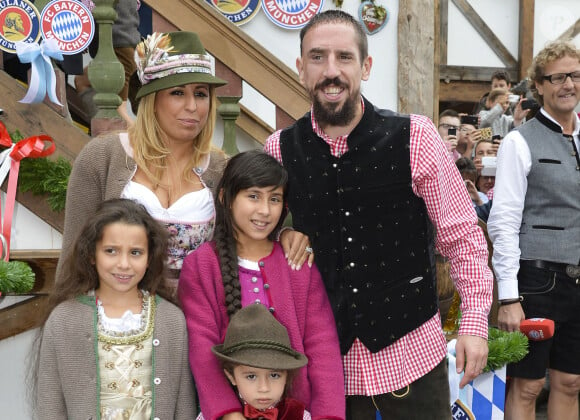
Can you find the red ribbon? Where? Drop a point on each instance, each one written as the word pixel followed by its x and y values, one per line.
pixel 253 413
pixel 31 147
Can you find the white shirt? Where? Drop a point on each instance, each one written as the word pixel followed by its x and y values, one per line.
pixel 514 163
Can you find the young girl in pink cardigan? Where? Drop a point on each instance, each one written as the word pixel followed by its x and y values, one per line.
pixel 244 265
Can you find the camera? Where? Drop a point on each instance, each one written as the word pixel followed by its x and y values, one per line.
pixel 470 119
pixel 529 104
pixel 452 131
pixel 489 165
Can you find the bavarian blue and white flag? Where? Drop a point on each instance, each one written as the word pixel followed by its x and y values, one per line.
pixel 484 397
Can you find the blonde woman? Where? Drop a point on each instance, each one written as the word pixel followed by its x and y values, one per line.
pixel 166 160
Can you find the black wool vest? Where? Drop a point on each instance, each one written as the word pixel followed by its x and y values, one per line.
pixel 371 234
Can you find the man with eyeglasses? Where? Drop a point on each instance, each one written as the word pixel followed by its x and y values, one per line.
pixel 449 120
pixel 535 228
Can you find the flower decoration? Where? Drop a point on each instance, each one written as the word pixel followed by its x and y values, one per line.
pixel 150 51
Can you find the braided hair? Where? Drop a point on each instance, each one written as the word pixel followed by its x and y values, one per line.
pixel 244 170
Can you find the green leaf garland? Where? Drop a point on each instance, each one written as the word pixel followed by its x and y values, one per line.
pixel 505 347
pixel 15 277
pixel 44 176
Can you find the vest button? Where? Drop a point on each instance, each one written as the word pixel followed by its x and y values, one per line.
pixel 347 213
pixel 351 264
pixel 355 290
pixel 349 239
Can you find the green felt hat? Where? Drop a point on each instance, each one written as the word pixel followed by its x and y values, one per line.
pixel 172 59
pixel 255 338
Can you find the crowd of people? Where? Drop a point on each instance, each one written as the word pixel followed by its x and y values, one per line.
pixel 471 137
pixel 176 269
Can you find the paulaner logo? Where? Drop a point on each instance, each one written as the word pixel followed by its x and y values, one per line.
pixel 70 23
pixel 237 11
pixel 19 21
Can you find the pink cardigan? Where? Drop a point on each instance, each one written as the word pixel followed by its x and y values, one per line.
pixel 301 305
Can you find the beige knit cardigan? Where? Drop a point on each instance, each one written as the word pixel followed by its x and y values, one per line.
pixel 68 375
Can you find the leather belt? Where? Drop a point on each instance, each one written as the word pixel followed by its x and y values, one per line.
pixel 572 271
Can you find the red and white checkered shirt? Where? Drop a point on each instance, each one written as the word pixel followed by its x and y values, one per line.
pixel 436 180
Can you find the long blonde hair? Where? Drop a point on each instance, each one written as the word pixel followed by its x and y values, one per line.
pixel 147 138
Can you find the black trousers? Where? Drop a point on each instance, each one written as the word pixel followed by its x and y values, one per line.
pixel 426 398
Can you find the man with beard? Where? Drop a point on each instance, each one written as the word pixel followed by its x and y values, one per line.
pixel 363 184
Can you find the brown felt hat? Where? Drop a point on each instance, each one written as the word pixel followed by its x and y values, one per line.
pixel 166 60
pixel 255 338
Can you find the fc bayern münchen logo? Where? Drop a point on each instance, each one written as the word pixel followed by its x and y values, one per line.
pixel 70 23
pixel 19 21
pixel 237 11
pixel 291 14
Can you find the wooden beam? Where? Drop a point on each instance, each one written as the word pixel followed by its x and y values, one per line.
pixel 416 27
pixel 526 44
pixel 34 119
pixel 438 52
pixel 444 30
pixel 486 33
pixel 22 317
pixel 253 125
pixel 448 73
pixel 462 91
pixel 571 32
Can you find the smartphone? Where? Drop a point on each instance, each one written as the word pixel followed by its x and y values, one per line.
pixel 470 119
pixel 496 139
pixel 452 131
pixel 529 104
pixel 486 133
pixel 514 99
pixel 489 165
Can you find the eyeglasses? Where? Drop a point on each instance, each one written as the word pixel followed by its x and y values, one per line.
pixel 448 126
pixel 560 78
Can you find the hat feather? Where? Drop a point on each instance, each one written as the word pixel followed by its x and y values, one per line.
pixel 150 50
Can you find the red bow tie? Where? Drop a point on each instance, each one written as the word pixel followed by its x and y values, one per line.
pixel 253 413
